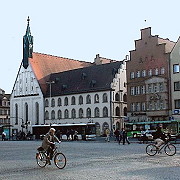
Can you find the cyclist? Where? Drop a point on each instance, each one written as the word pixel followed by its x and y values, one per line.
pixel 159 136
pixel 48 143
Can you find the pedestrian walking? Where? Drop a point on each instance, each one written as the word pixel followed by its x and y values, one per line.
pixel 124 136
pixel 116 133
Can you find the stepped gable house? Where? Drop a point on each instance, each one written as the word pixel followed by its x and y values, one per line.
pixel 148 78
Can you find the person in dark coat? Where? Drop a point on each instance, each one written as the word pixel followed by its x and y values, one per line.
pixel 124 136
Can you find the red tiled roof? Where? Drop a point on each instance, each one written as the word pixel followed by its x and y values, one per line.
pixel 44 65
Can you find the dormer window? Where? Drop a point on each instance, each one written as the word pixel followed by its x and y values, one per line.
pixel 84 75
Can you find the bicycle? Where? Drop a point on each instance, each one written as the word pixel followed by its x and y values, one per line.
pixel 169 149
pixel 42 158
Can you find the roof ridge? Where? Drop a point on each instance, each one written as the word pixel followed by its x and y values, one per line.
pixel 63 57
pixel 167 39
pixel 109 59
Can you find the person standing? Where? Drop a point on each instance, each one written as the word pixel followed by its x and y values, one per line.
pixel 107 134
pixel 124 136
pixel 3 136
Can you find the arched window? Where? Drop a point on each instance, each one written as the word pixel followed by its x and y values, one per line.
pixel 73 113
pixel 26 113
pixel 88 113
pixel 125 98
pixel 66 101
pixel 52 114
pixel 105 98
pixel 37 113
pixel 73 101
pixel 105 112
pixel 88 99
pixel 59 102
pixel 125 111
pixel 46 103
pixel 117 97
pixel 80 100
pixel 117 111
pixel 52 102
pixel 16 115
pixel 96 112
pixel 66 114
pixel 96 98
pixel 81 113
pixel 59 114
pixel 46 115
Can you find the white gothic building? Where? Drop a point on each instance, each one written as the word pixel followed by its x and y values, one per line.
pixel 50 89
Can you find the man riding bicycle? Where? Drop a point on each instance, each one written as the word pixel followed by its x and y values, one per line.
pixel 159 136
pixel 48 143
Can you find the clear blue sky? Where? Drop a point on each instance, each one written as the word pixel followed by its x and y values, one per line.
pixel 80 29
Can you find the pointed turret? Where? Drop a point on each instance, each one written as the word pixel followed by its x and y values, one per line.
pixel 27 46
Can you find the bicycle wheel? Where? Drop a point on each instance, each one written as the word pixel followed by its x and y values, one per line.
pixel 41 159
pixel 170 149
pixel 151 149
pixel 60 160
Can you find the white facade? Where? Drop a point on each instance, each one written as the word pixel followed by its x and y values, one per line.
pixel 27 102
pixel 111 110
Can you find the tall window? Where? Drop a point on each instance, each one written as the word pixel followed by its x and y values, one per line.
pixel 176 68
pixel 143 91
pixel 150 88
pixel 46 115
pixel 105 98
pixel 117 97
pixel 143 106
pixel 125 98
pixel 156 71
pixel 117 111
pixel 132 89
pixel 150 72
pixel 73 113
pixel 138 106
pixel 105 112
pixel 26 113
pixel 144 73
pixel 46 103
pixel 66 114
pixel 37 112
pixel 161 88
pixel 137 90
pixel 132 75
pixel 177 86
pixel 59 102
pixel 125 111
pixel 96 112
pixel 138 74
pixel 16 115
pixel 52 114
pixel 88 113
pixel 80 100
pixel 162 70
pixel 81 113
pixel 96 98
pixel 59 114
pixel 73 100
pixel 155 87
pixel 52 102
pixel 88 99
pixel 132 107
pixel 66 101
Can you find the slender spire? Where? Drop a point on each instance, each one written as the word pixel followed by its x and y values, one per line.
pixel 27 45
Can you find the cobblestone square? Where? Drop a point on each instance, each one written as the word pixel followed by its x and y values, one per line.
pixel 88 160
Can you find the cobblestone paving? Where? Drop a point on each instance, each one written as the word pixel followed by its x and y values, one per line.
pixel 88 161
